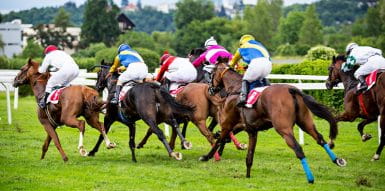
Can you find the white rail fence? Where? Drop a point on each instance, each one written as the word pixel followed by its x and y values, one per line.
pixel 7 77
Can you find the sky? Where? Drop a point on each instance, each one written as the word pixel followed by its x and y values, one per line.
pixel 16 5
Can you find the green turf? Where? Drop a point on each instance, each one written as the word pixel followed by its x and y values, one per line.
pixel 275 165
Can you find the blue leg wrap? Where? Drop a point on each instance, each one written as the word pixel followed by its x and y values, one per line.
pixel 309 174
pixel 330 152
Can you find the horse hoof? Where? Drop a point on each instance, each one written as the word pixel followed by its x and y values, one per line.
pixel 187 145
pixel 366 137
pixel 91 154
pixel 242 146
pixel 203 158
pixel 310 181
pixel 83 152
pixel 111 146
pixel 139 146
pixel 176 155
pixel 376 157
pixel 341 162
pixel 65 159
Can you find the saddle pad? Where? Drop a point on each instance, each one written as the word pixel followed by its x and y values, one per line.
pixel 176 91
pixel 124 90
pixel 54 96
pixel 371 79
pixel 253 96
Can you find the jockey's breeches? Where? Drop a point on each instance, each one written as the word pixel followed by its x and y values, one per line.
pixel 62 77
pixel 134 71
pixel 258 69
pixel 374 63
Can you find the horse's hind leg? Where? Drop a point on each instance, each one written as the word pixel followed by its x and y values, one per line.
pixel 250 152
pixel 71 121
pixel 93 121
pixel 45 146
pixel 132 130
pixel 360 128
pixel 184 142
pixel 52 133
pixel 287 133
pixel 382 139
pixel 145 138
pixel 307 125
pixel 108 121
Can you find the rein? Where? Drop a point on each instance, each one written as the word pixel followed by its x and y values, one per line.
pixel 49 116
pixel 224 71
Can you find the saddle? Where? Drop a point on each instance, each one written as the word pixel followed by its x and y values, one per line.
pixel 126 88
pixel 54 96
pixel 371 79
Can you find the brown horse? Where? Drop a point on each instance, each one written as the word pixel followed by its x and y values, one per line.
pixel 373 100
pixel 74 101
pixel 279 106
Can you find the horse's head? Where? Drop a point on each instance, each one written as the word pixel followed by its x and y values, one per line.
pixel 335 71
pixel 195 53
pixel 26 73
pixel 101 81
pixel 217 75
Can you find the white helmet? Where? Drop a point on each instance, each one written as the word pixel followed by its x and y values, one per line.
pixel 350 46
pixel 210 42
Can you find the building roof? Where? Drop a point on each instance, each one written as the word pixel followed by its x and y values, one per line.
pixel 123 18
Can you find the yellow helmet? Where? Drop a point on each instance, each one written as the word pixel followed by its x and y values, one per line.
pixel 245 38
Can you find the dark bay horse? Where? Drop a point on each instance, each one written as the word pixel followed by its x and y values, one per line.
pixel 373 100
pixel 280 107
pixel 74 101
pixel 146 101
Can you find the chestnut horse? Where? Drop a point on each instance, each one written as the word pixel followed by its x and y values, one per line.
pixel 373 100
pixel 146 101
pixel 280 107
pixel 74 101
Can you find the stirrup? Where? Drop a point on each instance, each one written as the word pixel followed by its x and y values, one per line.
pixel 42 105
pixel 114 101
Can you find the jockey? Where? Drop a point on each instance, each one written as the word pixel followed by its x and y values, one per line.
pixel 256 58
pixel 176 70
pixel 369 58
pixel 134 66
pixel 65 67
pixel 212 53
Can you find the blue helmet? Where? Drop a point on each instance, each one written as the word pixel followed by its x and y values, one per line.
pixel 123 47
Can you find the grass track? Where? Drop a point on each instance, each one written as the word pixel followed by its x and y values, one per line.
pixel 275 165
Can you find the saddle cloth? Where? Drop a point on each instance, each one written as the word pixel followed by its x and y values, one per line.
pixel 371 79
pixel 126 87
pixel 54 96
pixel 253 96
pixel 176 91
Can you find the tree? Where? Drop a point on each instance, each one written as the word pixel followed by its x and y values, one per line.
pixel 190 10
pixel 62 19
pixel 100 23
pixel 32 50
pixel 311 30
pixel 50 36
pixel 288 28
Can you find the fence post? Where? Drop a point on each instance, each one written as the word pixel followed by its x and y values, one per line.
pixel 166 130
pixel 379 129
pixel 300 132
pixel 8 103
pixel 15 98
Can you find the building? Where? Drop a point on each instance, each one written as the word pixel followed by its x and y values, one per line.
pixel 125 23
pixel 12 37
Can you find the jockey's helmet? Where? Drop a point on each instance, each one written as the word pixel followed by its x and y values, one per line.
pixel 350 46
pixel 210 42
pixel 123 47
pixel 245 38
pixel 49 49
pixel 164 57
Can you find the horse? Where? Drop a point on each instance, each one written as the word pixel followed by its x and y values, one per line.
pixel 146 101
pixel 354 108
pixel 279 106
pixel 74 101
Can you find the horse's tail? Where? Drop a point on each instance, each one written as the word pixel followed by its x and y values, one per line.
pixel 92 100
pixel 318 109
pixel 178 109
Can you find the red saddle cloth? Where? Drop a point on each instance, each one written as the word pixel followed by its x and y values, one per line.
pixel 253 96
pixel 371 79
pixel 176 91
pixel 54 96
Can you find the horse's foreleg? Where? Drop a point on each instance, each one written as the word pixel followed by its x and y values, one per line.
pixel 132 130
pixel 250 152
pixel 45 146
pixel 213 124
pixel 145 138
pixel 184 129
pixel 93 121
pixel 52 133
pixel 360 128
pixel 162 138
pixel 382 139
pixel 108 121
pixel 224 134
pixel 208 134
pixel 185 143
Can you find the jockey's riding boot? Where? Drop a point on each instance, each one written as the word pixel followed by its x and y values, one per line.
pixel 363 85
pixel 43 100
pixel 243 95
pixel 115 99
pixel 207 77
pixel 266 82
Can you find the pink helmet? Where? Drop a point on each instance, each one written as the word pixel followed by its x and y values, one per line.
pixel 50 48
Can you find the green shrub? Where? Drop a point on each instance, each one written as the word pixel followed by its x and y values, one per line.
pixel 86 63
pixel 332 98
pixel 321 52
pixel 286 50
pixel 107 54
pixel 90 51
pixel 302 49
pixel 151 58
